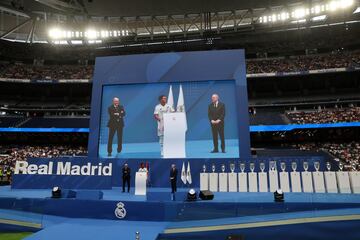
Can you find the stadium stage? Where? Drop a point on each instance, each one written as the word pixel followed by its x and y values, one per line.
pixel 194 149
pixel 157 216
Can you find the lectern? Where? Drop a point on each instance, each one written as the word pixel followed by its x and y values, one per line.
pixel 140 183
pixel 174 135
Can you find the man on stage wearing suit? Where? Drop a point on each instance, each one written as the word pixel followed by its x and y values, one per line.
pixel 216 114
pixel 115 124
pixel 126 177
pixel 173 178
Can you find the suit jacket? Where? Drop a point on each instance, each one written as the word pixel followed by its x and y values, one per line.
pixel 215 113
pixel 126 172
pixel 173 174
pixel 114 119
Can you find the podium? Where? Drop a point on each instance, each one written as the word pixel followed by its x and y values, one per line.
pixel 330 182
pixel 295 181
pixel 319 184
pixel 242 181
pixel 174 135
pixel 223 182
pixel 253 185
pixel 213 182
pixel 263 183
pixel 204 181
pixel 273 180
pixel 284 181
pixel 232 182
pixel 140 183
pixel 307 182
pixel 355 181
pixel 343 182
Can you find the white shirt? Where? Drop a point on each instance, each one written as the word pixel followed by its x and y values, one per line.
pixel 142 170
pixel 160 110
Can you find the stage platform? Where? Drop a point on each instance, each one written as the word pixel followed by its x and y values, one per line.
pixel 194 149
pixel 156 216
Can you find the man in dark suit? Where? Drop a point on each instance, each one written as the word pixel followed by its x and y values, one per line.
pixel 126 177
pixel 216 114
pixel 115 124
pixel 173 178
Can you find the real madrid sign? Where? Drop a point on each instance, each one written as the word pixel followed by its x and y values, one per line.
pixel 63 168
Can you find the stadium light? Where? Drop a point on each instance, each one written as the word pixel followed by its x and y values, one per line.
pixel 55 33
pixel 345 3
pixel 318 18
pixel 90 34
pixel 298 14
pixel 333 5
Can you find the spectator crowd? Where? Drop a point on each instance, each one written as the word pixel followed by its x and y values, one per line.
pixel 53 72
pixel 291 64
pixel 10 154
pixel 351 114
pixel 347 153
pixel 304 63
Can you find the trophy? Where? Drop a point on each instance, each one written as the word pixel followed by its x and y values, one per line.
pixel 283 166
pixel 317 166
pixel 213 167
pixel 262 166
pixel 232 167
pixel 294 166
pixel 328 166
pixel 272 165
pixel 341 166
pixel 252 167
pixel 305 166
pixel 242 167
pixel 204 168
pixel 223 167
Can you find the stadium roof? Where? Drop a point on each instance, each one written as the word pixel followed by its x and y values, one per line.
pixel 123 8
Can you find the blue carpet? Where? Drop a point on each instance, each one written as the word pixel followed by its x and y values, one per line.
pixel 194 149
pixel 87 229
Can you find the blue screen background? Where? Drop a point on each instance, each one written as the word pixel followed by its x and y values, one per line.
pixel 139 101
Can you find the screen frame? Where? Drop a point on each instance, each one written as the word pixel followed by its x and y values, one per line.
pixel 175 67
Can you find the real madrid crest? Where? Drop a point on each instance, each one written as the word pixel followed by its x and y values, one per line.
pixel 120 211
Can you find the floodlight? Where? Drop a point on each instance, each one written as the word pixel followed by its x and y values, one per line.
pixel 55 33
pixel 90 34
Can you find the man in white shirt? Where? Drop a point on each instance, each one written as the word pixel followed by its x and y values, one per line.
pixel 159 111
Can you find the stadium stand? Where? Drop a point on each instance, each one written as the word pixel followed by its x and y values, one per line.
pixel 20 70
pixel 59 122
pixel 10 121
pixel 351 114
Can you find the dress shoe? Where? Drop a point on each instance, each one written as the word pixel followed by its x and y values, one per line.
pixel 214 151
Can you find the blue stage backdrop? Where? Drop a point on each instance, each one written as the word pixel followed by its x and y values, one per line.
pixel 140 132
pixel 138 80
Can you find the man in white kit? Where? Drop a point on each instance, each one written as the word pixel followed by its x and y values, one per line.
pixel 159 111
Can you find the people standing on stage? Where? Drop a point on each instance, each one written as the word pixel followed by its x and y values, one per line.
pixel 115 124
pixel 216 114
pixel 159 111
pixel 173 178
pixel 126 177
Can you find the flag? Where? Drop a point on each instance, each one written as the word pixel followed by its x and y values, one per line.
pixel 183 174
pixel 181 105
pixel 170 99
pixel 188 174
